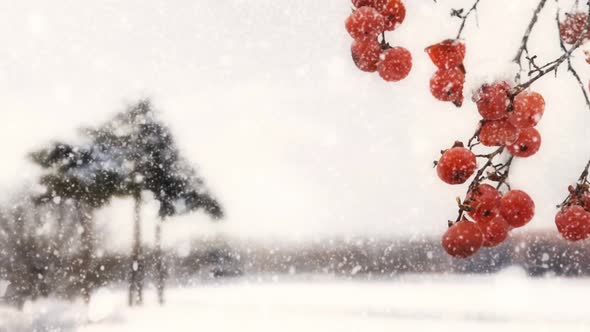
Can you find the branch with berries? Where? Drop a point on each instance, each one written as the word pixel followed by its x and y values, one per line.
pixel 570 67
pixel 509 113
pixel 574 30
pixel 491 208
pixel 573 217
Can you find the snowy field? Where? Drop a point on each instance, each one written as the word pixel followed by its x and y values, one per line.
pixel 508 301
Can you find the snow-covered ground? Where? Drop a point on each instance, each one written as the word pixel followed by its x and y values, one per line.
pixel 508 301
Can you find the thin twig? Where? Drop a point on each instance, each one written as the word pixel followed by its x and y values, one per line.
pixel 504 174
pixel 474 140
pixel 479 177
pixel 525 38
pixel 459 14
pixel 584 176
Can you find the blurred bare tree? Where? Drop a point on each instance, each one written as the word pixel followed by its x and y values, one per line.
pixel 156 166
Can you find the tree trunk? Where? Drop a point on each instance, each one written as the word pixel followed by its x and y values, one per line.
pixel 137 265
pixel 87 251
pixel 20 281
pixel 160 268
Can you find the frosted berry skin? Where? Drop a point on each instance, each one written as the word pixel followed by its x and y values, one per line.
pixel 494 231
pixel 498 133
pixel 377 4
pixel 365 54
pixel 365 22
pixel 517 208
pixel 573 223
pixel 394 13
pixel 527 144
pixel 394 64
pixel 456 165
pixel 463 239
pixel 528 109
pixel 493 100
pixel 572 27
pixel 447 54
pixel 447 85
pixel 362 3
pixel 484 201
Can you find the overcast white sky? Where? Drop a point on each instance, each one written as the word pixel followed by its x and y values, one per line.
pixel 263 95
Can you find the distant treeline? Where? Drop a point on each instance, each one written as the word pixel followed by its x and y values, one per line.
pixel 538 254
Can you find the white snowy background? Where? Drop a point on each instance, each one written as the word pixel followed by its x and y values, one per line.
pixel 263 96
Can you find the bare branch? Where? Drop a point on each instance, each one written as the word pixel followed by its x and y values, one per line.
pixel 554 65
pixel 497 175
pixel 459 13
pixel 525 38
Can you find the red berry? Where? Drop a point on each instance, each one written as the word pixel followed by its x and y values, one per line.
pixel 362 3
pixel 573 223
pixel 494 231
pixel 447 54
pixel 517 208
pixel 456 165
pixel 493 100
pixel 497 133
pixel 587 54
pixel 528 108
pixel 572 27
pixel 394 64
pixel 365 22
pixel 377 4
pixel 365 54
pixel 447 85
pixel 527 144
pixel 463 239
pixel 484 201
pixel 394 13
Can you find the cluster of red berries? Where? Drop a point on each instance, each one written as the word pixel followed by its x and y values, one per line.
pixel 572 27
pixel 573 219
pixel 506 122
pixel 370 19
pixel 509 121
pixel 447 82
pixel 493 214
